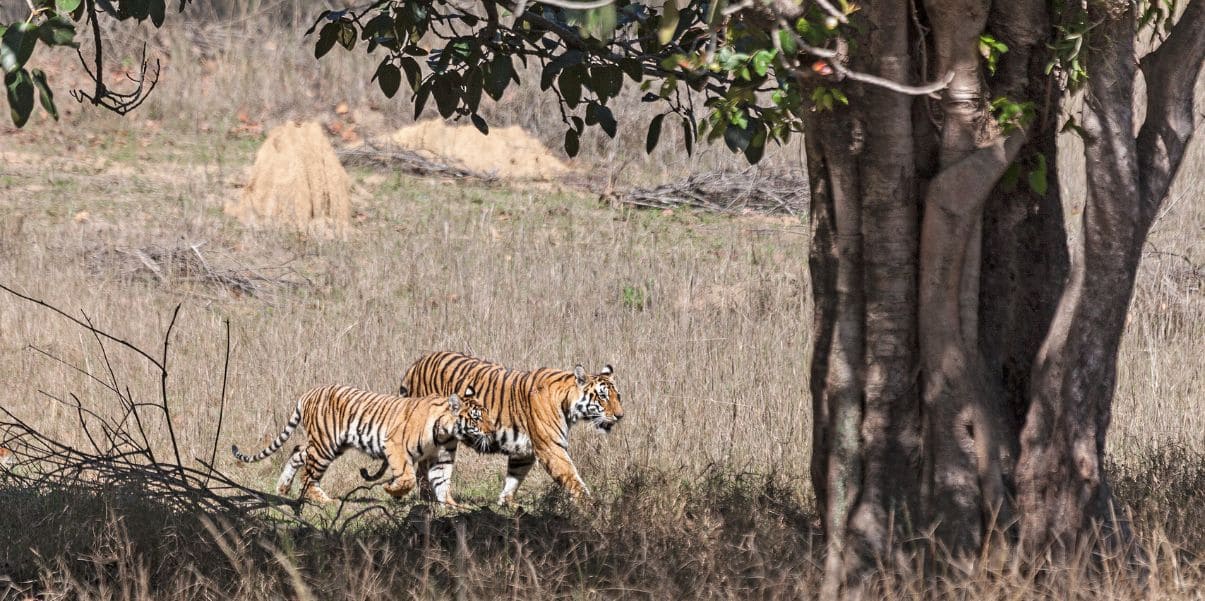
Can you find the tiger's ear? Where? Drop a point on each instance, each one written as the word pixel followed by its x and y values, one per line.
pixel 608 370
pixel 579 372
pixel 454 403
pixel 469 392
pixel 403 391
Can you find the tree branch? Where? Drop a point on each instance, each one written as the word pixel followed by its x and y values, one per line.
pixel 1171 73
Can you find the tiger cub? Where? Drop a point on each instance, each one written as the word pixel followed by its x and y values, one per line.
pixel 404 431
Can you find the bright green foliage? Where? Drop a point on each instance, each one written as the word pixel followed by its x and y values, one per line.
pixel 586 57
pixel 1011 115
pixel 991 49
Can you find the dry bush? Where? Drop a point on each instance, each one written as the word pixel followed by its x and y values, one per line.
pixel 659 536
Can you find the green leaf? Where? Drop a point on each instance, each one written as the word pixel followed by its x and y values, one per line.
pixel 599 23
pixel 548 76
pixel 156 10
pixel 58 31
pixel 632 68
pixel 20 96
pixel 45 96
pixel 446 91
pixel 654 135
pixel 1037 176
pixel 757 144
pixel 737 138
pixel 413 73
pixel 16 45
pixel 347 35
pixel 380 25
pixel 788 43
pixel 67 6
pixel 500 71
pixel 669 22
pixel 761 61
pixel 389 77
pixel 688 135
pixel 474 82
pixel 606 80
pixel 570 83
pixel 606 120
pixel 327 36
pixel 572 144
pixel 479 123
pixel 420 98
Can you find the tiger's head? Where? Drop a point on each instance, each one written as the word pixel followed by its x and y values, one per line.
pixel 598 401
pixel 472 424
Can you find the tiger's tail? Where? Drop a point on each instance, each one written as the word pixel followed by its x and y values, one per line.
pixel 278 442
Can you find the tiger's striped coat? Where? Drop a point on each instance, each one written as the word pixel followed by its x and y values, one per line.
pixel 529 411
pixel 404 431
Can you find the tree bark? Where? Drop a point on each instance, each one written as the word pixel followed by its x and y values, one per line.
pixel 1024 260
pixel 837 235
pixel 969 292
pixel 1062 487
pixel 964 491
pixel 891 417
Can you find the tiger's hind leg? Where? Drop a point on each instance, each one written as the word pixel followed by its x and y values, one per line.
pixel 439 474
pixel 517 468
pixel 317 460
pixel 296 460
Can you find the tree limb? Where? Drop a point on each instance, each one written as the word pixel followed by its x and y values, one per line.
pixel 1171 73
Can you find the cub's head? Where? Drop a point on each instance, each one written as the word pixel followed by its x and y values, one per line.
pixel 599 398
pixel 472 424
pixel 7 458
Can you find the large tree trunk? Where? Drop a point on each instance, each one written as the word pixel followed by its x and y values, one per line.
pixel 1024 260
pixel 964 487
pixel 967 293
pixel 1062 487
pixel 890 428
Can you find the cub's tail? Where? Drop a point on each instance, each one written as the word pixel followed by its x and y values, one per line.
pixel 276 444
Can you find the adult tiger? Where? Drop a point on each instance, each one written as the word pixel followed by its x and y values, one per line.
pixel 404 431
pixel 530 411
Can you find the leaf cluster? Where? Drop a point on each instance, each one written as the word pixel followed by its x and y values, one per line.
pixel 739 63
pixel 50 24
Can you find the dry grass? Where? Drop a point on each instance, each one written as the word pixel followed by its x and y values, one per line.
pixel 705 318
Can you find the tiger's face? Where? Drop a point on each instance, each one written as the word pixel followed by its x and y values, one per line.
pixel 7 457
pixel 472 425
pixel 599 402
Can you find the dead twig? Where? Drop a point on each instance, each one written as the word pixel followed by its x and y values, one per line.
pixel 752 190
pixel 186 266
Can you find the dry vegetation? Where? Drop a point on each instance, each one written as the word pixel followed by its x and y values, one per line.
pixel 701 492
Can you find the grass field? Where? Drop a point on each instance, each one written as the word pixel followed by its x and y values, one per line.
pixel 702 490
